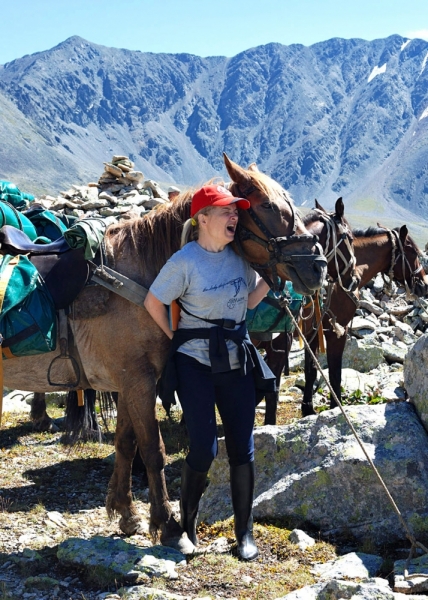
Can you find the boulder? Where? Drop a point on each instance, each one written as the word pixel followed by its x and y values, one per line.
pixel 315 473
pixel 362 355
pixel 416 377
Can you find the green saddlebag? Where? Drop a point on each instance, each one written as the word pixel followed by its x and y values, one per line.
pixel 270 317
pixel 27 313
pixel 10 216
pixel 9 192
pixel 47 224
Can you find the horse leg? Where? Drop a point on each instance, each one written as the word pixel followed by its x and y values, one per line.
pixel 119 495
pixel 277 360
pixel 40 418
pixel 310 377
pixel 335 348
pixel 131 420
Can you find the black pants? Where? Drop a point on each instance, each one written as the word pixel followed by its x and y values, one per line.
pixel 199 393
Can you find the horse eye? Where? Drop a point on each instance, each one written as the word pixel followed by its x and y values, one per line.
pixel 267 204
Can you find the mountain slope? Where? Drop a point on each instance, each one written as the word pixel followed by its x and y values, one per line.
pixel 342 117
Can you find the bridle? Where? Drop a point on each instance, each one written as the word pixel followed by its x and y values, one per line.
pixel 398 253
pixel 274 245
pixel 340 234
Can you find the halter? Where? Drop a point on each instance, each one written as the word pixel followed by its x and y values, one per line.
pixel 396 242
pixel 274 246
pixel 335 227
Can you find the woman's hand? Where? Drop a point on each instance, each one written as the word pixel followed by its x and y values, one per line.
pixel 259 292
pixel 159 313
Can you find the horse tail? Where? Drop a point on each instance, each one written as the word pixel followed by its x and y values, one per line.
pixel 107 402
pixel 81 423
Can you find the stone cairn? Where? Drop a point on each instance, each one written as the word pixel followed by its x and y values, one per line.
pixel 121 193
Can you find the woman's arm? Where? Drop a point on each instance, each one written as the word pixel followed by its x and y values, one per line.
pixel 159 313
pixel 258 293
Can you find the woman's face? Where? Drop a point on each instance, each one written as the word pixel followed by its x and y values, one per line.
pixel 220 224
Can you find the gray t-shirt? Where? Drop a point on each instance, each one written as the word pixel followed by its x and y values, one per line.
pixel 213 285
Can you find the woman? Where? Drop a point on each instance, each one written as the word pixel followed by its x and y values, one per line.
pixel 215 362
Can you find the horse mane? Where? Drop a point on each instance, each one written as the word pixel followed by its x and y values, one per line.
pixel 153 238
pixel 311 217
pixel 265 184
pixel 314 216
pixel 369 232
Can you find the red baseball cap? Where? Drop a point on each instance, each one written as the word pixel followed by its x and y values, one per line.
pixel 215 195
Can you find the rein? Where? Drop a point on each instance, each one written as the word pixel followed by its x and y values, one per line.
pixel 274 246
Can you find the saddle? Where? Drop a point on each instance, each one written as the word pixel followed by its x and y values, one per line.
pixel 64 270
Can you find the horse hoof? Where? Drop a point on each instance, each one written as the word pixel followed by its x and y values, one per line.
pixel 307 410
pixel 45 426
pixel 130 525
pixel 182 544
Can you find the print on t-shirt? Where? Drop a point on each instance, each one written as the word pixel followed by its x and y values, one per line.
pixel 237 283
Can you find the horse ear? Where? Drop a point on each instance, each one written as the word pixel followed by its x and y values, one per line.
pixel 236 173
pixel 253 167
pixel 339 208
pixel 403 233
pixel 319 207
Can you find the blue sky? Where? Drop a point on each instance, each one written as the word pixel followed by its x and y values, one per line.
pixel 202 27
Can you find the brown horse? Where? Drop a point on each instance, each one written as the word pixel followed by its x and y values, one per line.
pixel 120 348
pixel 336 239
pixel 377 250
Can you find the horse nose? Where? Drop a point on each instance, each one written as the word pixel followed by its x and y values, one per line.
pixel 320 266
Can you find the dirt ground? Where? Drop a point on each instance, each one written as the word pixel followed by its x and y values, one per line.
pixel 50 492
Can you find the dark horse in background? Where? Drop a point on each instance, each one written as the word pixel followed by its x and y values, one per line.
pixel 377 250
pixel 336 239
pixel 121 349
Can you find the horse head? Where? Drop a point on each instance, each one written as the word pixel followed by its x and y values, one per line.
pixel 406 264
pixel 271 234
pixel 336 239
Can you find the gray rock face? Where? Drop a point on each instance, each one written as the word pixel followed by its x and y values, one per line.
pixel 372 589
pixel 344 117
pixel 117 559
pixel 315 472
pixel 416 377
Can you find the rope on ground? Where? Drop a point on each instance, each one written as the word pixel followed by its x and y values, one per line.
pixel 414 543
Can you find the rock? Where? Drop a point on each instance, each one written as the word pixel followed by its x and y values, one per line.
pixel 140 592
pixel 417 570
pixel 353 380
pixel 119 559
pixel 301 539
pixel 156 190
pixel 355 565
pixel 135 176
pixel 360 323
pixel 372 589
pixel 113 170
pixel 361 355
pixel 371 307
pixel 416 377
pixel 95 204
pixel 393 352
pixel 303 468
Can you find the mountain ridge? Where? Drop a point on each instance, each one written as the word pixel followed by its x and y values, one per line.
pixel 340 117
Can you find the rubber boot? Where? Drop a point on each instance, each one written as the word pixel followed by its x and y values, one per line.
pixel 242 486
pixel 192 487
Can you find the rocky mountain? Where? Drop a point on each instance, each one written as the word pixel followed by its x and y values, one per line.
pixel 341 117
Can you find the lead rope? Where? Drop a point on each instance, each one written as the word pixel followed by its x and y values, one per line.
pixel 414 543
